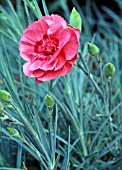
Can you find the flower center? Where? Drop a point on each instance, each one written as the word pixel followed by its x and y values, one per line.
pixel 47 45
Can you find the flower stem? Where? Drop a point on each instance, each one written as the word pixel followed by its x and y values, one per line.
pixel 109 101
pixel 82 136
pixel 50 127
pixel 96 86
pixel 91 78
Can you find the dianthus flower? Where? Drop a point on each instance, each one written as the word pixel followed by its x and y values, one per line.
pixel 50 48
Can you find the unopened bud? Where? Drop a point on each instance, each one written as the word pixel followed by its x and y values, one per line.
pixel 93 49
pixel 4 95
pixel 109 70
pixel 49 101
pixel 75 19
pixel 13 132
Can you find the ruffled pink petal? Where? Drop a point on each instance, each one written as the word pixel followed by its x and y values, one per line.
pixel 39 25
pixel 71 62
pixel 70 50
pixel 38 73
pixel 55 29
pixel 35 65
pixel 26 48
pixel 64 37
pixel 31 36
pixel 71 47
pixel 28 56
pixel 59 19
pixel 26 69
pixel 48 66
pixel 54 18
pixel 54 56
pixel 61 60
pixel 52 65
pixel 27 42
pixel 50 75
pixel 43 65
pixel 47 18
pixel 77 31
pixel 66 69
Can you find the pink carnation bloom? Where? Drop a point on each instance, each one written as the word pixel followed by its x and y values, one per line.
pixel 50 48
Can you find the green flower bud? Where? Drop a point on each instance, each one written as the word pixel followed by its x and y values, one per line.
pixel 75 19
pixel 109 70
pixel 4 96
pixel 93 49
pixel 13 132
pixel 49 101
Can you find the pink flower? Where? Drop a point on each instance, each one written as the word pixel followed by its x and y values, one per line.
pixel 50 48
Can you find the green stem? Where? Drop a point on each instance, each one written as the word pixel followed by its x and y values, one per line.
pixel 92 79
pixel 109 101
pixel 83 61
pixel 82 68
pixel 50 127
pixel 72 104
pixel 96 86
pixel 82 132
pixel 100 68
pixel 109 93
